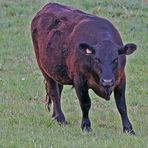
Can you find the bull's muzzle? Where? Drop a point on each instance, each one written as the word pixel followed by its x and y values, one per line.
pixel 107 84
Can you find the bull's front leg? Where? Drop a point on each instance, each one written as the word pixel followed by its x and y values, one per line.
pixel 119 93
pixel 85 103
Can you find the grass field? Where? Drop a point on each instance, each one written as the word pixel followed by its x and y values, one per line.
pixel 24 121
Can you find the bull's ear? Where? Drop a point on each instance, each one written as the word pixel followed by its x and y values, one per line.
pixel 86 48
pixel 127 49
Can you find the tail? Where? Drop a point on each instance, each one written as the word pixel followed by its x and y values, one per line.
pixel 48 101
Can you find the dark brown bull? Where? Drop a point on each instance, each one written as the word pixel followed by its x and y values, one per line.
pixel 83 50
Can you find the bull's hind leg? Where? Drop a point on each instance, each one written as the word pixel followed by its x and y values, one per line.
pixel 48 99
pixel 54 90
pixel 60 91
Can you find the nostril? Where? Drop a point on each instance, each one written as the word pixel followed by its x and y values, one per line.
pixel 107 82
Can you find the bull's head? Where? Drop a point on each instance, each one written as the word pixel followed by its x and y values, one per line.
pixel 107 60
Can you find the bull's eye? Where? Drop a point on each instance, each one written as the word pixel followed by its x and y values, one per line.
pixel 115 61
pixel 115 64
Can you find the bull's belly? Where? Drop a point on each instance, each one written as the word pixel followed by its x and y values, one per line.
pixel 60 74
pixel 62 79
pixel 51 64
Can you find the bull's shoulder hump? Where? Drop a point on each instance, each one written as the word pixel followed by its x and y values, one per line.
pixel 60 7
pixel 58 11
pixel 56 6
pixel 53 11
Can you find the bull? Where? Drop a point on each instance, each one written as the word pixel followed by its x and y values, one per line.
pixel 83 50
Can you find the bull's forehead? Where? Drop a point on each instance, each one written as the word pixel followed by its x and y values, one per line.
pixel 106 51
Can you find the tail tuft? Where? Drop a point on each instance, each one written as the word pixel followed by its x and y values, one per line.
pixel 48 102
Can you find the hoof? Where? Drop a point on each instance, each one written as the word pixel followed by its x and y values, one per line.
pixel 129 131
pixel 87 129
pixel 60 119
pixel 86 125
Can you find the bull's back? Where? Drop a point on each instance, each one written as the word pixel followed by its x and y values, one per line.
pixel 55 23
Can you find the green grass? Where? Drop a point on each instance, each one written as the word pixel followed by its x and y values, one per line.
pixel 24 121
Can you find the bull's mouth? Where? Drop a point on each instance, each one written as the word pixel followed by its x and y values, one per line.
pixel 107 93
